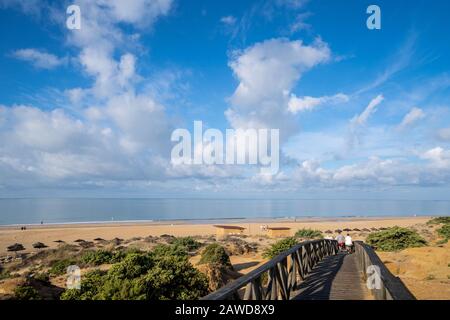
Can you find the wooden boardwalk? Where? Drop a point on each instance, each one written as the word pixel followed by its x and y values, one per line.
pixel 336 277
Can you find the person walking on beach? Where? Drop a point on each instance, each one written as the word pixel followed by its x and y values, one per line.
pixel 341 240
pixel 348 243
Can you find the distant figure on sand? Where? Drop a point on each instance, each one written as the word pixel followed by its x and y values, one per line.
pixel 348 243
pixel 341 240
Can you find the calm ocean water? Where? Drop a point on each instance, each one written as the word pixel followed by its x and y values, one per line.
pixel 31 211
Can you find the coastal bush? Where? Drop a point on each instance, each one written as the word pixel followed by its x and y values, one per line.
pixel 438 220
pixel 279 247
pixel 214 253
pixel 59 267
pixel 91 283
pixel 309 234
pixel 42 277
pixel 163 273
pixel 444 231
pixel 394 239
pixel 26 293
pixel 188 242
pixel 99 257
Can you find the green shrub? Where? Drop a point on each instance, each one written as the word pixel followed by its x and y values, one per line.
pixel 188 242
pixel 26 293
pixel 394 239
pixel 164 273
pixel 214 253
pixel 4 274
pixel 42 277
pixel 99 257
pixel 309 234
pixel 444 232
pixel 91 282
pixel 438 220
pixel 59 267
pixel 279 247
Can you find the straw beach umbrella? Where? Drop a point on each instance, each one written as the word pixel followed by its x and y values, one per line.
pixel 338 230
pixel 347 230
pixel 80 240
pixel 366 230
pixel 356 229
pixel 39 245
pixel 328 231
pixel 15 248
pixel 374 229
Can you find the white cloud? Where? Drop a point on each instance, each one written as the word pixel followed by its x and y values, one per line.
pixel 411 117
pixel 358 122
pixel 267 72
pixel 307 103
pixel 371 108
pixel 439 157
pixel 228 20
pixel 39 59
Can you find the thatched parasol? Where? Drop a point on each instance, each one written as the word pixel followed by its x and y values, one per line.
pixel 86 244
pixel 356 229
pixel 16 247
pixel 338 230
pixel 80 240
pixel 366 230
pixel 347 229
pixel 383 228
pixel 328 231
pixel 374 229
pixel 39 245
pixel 99 239
pixel 59 241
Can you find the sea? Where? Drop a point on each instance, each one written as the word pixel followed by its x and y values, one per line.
pixel 30 211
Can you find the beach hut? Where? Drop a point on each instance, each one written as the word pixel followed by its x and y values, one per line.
pixel 279 232
pixel 223 231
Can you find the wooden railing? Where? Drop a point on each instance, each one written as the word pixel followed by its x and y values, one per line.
pixel 279 277
pixel 387 286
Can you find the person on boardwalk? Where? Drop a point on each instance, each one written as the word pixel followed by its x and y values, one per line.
pixel 341 240
pixel 348 243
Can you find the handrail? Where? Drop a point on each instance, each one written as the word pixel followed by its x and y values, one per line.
pixel 284 273
pixel 389 287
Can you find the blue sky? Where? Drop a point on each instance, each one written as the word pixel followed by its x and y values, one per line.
pixel 362 113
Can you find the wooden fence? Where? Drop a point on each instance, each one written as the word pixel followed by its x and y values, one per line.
pixel 279 277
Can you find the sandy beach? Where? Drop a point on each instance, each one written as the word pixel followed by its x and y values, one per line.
pixel 71 232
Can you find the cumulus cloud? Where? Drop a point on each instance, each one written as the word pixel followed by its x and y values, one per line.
pixel 39 59
pixel 411 117
pixel 267 72
pixel 307 103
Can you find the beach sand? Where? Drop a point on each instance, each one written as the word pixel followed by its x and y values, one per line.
pixel 70 232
